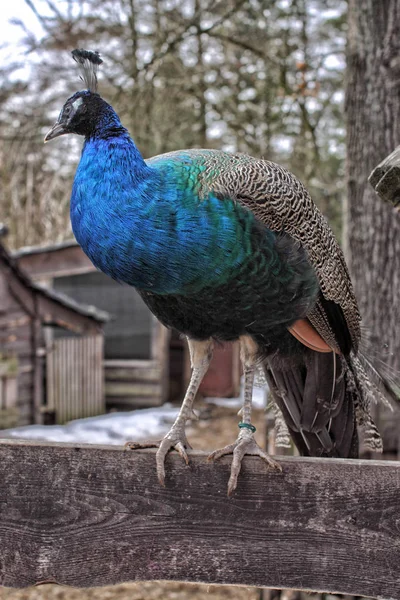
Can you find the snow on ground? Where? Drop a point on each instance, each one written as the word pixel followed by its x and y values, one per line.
pixel 120 427
pixel 113 428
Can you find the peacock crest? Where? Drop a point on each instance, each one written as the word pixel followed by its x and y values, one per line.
pixel 89 63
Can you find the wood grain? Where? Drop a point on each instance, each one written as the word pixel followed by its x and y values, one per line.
pixel 75 378
pixel 90 515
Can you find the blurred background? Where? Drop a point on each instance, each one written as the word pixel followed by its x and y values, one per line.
pixel 266 78
pixel 269 78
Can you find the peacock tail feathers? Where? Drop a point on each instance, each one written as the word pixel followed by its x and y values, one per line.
pixel 282 435
pixel 364 386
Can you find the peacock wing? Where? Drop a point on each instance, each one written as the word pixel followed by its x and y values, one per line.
pixel 279 199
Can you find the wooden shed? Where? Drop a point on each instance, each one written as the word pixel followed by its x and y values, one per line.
pixel 145 364
pixel 51 351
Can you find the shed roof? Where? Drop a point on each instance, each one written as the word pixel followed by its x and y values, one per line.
pixel 89 310
pixel 54 260
pixel 28 250
pixel 51 302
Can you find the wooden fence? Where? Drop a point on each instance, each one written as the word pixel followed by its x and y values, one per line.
pixel 90 515
pixel 75 378
pixel 9 412
pixel 134 383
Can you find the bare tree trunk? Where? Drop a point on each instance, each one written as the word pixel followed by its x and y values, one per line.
pixel 373 131
pixel 202 86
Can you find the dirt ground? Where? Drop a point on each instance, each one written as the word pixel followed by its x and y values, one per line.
pixel 154 590
pixel 216 428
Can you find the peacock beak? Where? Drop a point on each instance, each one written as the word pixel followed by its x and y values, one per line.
pixel 55 131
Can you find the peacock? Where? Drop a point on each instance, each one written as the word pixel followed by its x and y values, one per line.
pixel 226 247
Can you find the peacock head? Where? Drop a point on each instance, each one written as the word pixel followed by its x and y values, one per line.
pixel 81 111
pixel 79 115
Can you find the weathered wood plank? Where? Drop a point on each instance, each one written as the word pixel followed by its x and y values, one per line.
pixel 66 317
pixel 136 363
pixel 128 374
pixel 87 516
pixel 14 320
pixel 133 402
pixel 124 388
pixel 75 378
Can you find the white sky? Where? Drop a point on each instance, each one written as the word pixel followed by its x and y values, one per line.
pixel 16 9
pixel 11 50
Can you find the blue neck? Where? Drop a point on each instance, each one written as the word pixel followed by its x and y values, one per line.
pixel 112 200
pixel 111 138
pixel 107 125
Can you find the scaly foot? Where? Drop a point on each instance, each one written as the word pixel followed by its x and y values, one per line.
pixel 175 438
pixel 245 444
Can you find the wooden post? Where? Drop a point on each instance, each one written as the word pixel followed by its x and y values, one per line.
pixel 385 178
pixel 37 361
pixel 90 516
pixel 160 354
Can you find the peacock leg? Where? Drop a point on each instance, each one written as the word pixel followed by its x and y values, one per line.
pixel 200 358
pixel 245 443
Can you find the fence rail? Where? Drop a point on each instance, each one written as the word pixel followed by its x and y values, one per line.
pixel 91 515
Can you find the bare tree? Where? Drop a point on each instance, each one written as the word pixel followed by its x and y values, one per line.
pixel 373 131
pixel 233 74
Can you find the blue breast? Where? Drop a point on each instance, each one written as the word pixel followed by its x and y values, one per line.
pixel 146 226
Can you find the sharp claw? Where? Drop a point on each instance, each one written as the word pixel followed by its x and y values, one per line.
pixel 160 461
pixel 213 456
pixel 174 439
pixel 182 452
pixel 239 449
pixel 221 452
pixel 232 483
pixel 161 475
pixel 272 463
